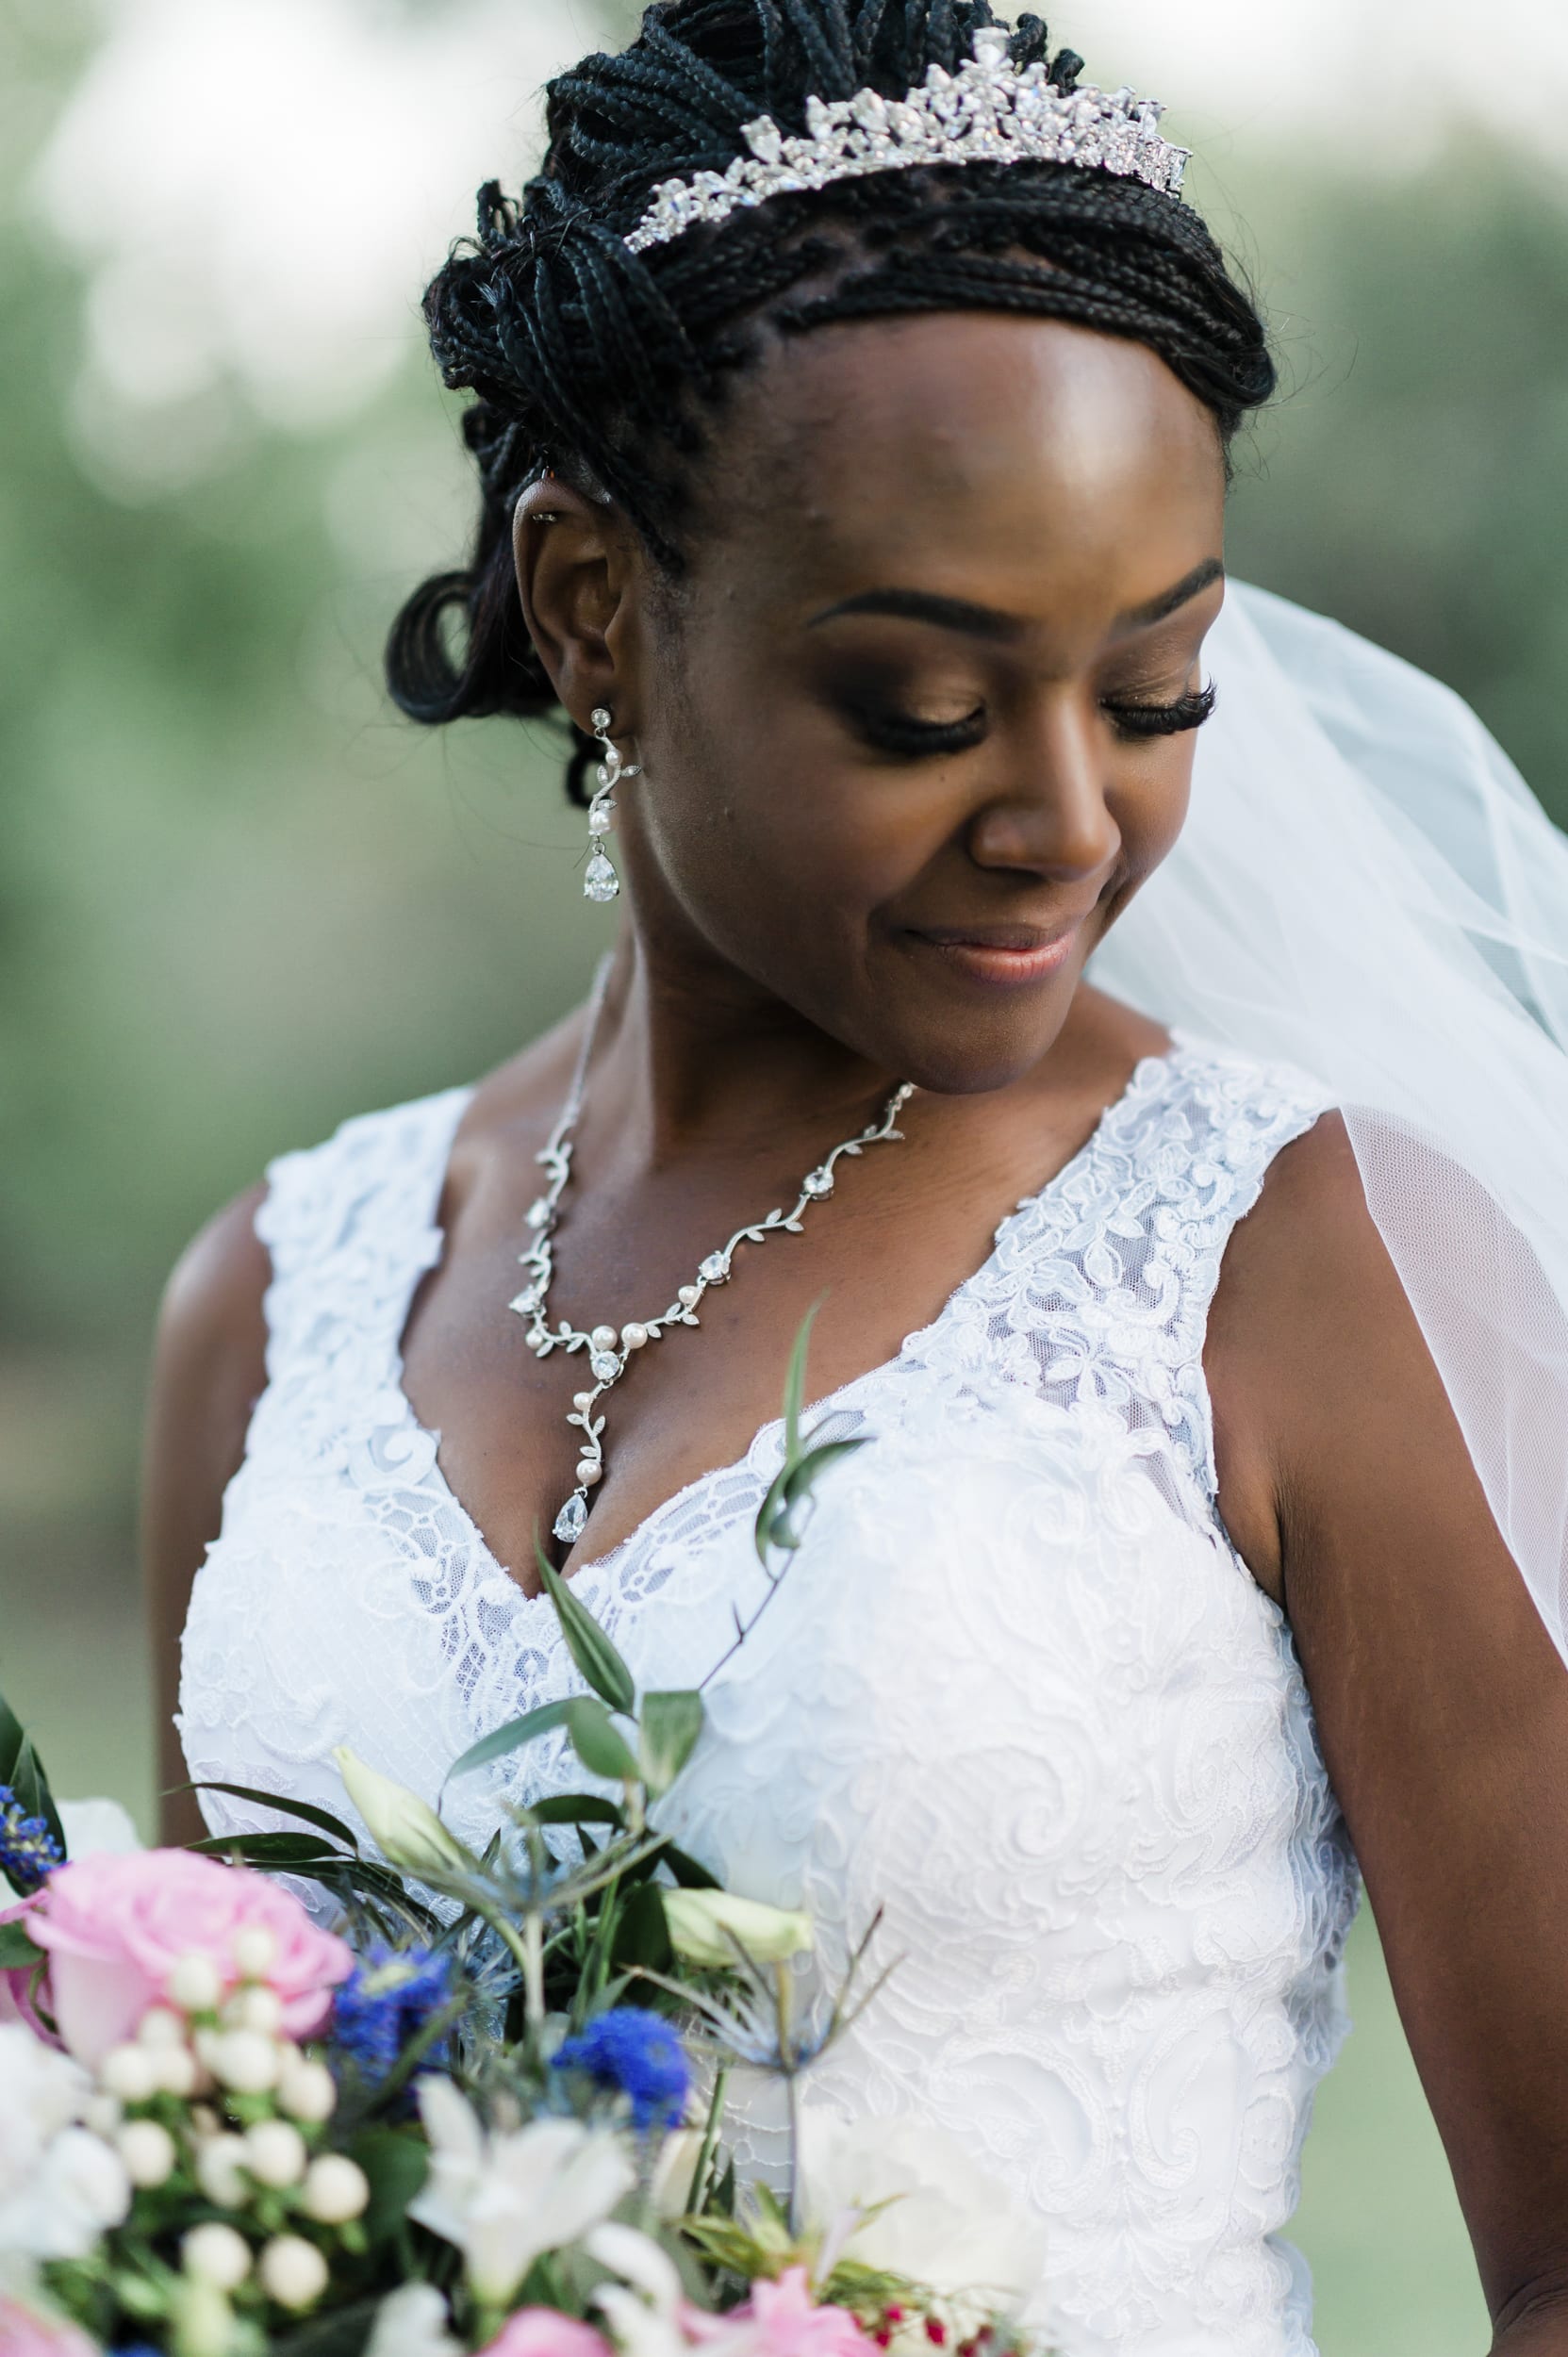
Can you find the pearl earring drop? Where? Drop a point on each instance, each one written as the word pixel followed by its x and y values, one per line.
pixel 600 881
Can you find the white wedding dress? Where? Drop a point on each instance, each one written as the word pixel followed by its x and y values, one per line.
pixel 1017 1691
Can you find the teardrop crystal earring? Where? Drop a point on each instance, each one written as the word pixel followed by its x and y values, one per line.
pixel 600 881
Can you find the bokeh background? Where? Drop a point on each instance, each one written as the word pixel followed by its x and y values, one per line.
pixel 240 899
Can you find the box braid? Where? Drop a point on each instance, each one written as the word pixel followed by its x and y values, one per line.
pixel 607 366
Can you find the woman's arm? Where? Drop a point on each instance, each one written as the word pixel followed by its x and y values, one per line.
pixel 1442 1703
pixel 208 1370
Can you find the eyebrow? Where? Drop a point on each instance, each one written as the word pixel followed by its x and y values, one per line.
pixel 985 622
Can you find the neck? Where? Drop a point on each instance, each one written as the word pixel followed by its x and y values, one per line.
pixel 704 1061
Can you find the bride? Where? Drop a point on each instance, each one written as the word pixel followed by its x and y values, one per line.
pixel 858 501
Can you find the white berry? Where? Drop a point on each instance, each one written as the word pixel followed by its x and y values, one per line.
pixel 246 2061
pixel 254 1952
pixel 177 2070
pixel 220 2171
pixel 336 2189
pixel 292 2272
pixel 308 2090
pixel 216 2255
pixel 147 2149
pixel 256 2008
pixel 194 1985
pixel 128 2072
pixel 274 2152
pixel 160 2028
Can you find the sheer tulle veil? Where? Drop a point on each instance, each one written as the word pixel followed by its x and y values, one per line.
pixel 1368 889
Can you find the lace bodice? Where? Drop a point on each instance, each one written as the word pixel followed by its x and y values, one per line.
pixel 1017 1689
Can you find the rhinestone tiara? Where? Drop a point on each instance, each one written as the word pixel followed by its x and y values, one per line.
pixel 989 112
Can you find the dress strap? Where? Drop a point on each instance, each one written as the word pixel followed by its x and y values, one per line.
pixel 1097 1297
pixel 351 1228
pixel 1230 1116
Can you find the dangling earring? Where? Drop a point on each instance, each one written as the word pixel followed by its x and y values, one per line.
pixel 600 881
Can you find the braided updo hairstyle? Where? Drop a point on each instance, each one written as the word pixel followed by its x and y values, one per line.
pixel 606 366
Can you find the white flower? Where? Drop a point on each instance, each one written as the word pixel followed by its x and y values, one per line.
pixel 505 2199
pixel 412 2322
pixel 404 1829
pixel 641 2310
pixel 97 1829
pixel 40 2093
pixel 79 2190
pixel 673 2171
pixel 705 1925
pixel 947 2224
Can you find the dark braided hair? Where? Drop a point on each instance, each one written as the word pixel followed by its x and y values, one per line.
pixel 606 366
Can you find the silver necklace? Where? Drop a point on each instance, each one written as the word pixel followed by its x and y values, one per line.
pixel 610 1351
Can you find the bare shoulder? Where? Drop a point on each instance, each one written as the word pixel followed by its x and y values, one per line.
pixel 209 1363
pixel 1314 1359
pixel 208 1370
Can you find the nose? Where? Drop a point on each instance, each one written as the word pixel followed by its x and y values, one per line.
pixel 1050 816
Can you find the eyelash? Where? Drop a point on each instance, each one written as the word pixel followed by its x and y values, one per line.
pixel 1187 711
pixel 895 732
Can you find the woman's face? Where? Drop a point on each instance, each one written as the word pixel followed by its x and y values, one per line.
pixel 906 727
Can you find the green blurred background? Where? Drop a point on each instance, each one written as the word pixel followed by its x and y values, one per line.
pixel 239 900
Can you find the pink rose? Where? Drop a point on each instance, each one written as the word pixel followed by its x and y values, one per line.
pixel 15 1981
pixel 544 2333
pixel 25 2334
pixel 782 2320
pixel 115 1927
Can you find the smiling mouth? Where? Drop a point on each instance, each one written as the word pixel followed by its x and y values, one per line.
pixel 1002 953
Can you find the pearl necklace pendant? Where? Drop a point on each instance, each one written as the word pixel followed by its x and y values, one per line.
pixel 610 1350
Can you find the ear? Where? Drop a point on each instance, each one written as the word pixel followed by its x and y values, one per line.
pixel 578 567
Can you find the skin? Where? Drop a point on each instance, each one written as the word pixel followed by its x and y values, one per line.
pixel 814 914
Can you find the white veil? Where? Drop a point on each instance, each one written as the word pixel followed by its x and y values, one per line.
pixel 1368 889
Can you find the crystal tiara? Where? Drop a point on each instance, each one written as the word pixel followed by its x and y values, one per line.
pixel 989 112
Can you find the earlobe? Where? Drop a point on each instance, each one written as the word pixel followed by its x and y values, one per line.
pixel 571 579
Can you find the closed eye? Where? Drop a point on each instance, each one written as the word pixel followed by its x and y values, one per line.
pixel 894 732
pixel 1162 719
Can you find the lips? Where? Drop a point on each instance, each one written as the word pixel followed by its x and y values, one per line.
pixel 1000 953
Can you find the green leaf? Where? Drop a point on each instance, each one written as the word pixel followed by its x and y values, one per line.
pixel 575 1808
pixel 277 1851
pixel 685 1869
pixel 22 1769
pixel 344 2333
pixel 597 1742
pixel 396 2164
pixel 779 1517
pixel 17 1952
pixel 642 1936
pixel 794 1383
pixel 670 1725
pixel 322 1818
pixel 511 1737
pixel 586 1642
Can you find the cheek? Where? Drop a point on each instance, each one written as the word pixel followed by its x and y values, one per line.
pixel 760 799
pixel 1149 799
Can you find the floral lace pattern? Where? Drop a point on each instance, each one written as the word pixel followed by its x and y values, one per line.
pixel 1017 1689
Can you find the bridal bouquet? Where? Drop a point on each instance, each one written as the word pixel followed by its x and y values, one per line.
pixel 485 2112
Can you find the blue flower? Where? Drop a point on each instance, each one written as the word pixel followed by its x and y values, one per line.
pixel 387 2000
pixel 639 2053
pixel 28 1851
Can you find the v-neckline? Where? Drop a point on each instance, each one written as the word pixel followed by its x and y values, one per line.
pixel 608 1566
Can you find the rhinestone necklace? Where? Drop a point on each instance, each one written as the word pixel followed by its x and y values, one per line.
pixel 610 1352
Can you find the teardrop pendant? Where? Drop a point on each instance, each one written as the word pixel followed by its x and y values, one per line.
pixel 572 1520
pixel 600 881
